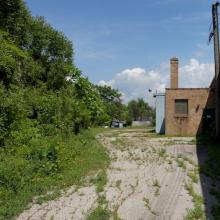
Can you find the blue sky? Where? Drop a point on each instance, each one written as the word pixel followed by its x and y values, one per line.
pixel 112 36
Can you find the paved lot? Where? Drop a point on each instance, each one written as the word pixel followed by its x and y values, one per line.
pixel 147 179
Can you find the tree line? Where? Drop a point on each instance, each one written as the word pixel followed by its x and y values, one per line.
pixel 40 83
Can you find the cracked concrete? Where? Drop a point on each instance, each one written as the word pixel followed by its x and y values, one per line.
pixel 139 162
pixel 74 204
pixel 145 180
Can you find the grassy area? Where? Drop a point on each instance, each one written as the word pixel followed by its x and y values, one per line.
pixel 197 212
pixel 47 165
pixel 100 180
pixel 101 211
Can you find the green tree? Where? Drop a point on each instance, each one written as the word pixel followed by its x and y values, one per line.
pixel 112 99
pixel 133 110
pixel 54 52
pixel 90 96
pixel 50 53
pixel 11 58
pixel 140 110
pixel 44 102
pixel 15 19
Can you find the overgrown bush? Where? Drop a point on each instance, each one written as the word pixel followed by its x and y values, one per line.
pixel 31 165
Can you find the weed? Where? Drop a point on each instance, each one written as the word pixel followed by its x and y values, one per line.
pixel 156 183
pixel 189 188
pixel 179 156
pixel 189 160
pixel 118 184
pixel 147 204
pixel 193 141
pixel 119 142
pixel 102 200
pixel 99 213
pixel 195 213
pixel 100 180
pixel 169 161
pixel 197 199
pixel 115 214
pixel 48 197
pixel 157 192
pixel 194 176
pixel 180 163
pixel 169 143
pixel 130 153
pixel 46 164
pixel 153 150
pixel 162 152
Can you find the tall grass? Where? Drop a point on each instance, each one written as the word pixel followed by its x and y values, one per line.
pixel 45 164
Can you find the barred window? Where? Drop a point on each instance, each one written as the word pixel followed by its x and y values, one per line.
pixel 181 106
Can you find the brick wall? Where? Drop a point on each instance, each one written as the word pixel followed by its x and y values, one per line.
pixel 174 72
pixel 190 124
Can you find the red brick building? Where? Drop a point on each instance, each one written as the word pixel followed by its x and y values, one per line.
pixel 188 111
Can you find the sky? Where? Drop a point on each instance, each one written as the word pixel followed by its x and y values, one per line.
pixel 127 44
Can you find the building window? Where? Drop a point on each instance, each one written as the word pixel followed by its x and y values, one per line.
pixel 181 106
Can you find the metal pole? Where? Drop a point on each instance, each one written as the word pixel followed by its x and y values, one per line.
pixel 217 65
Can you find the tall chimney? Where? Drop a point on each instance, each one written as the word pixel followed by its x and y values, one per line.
pixel 174 72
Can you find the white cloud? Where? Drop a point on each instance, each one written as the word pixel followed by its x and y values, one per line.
pixel 135 83
pixel 196 74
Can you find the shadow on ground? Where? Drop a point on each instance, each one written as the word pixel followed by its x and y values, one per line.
pixel 208 153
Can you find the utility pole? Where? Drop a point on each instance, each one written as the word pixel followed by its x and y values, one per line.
pixel 217 66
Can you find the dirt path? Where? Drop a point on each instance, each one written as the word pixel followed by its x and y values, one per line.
pixel 146 180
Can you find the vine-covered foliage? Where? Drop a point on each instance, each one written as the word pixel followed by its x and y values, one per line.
pixel 37 70
pixel 44 103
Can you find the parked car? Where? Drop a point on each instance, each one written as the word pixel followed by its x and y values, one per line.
pixel 117 124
